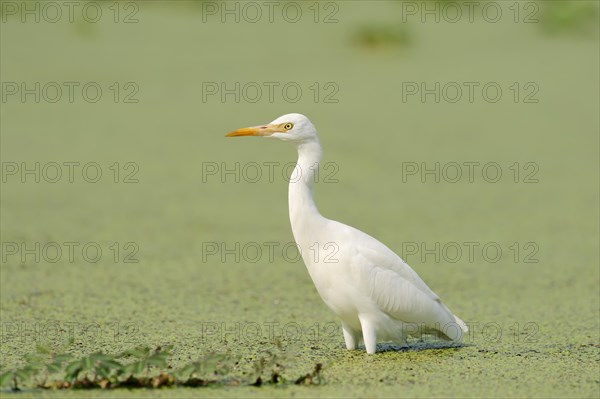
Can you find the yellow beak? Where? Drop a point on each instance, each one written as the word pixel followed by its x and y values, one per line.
pixel 265 130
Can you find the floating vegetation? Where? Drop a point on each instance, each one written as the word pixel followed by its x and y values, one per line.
pixel 383 36
pixel 579 17
pixel 142 368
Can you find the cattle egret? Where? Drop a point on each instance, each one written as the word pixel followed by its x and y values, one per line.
pixel 377 296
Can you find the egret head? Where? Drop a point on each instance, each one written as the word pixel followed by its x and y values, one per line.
pixel 296 128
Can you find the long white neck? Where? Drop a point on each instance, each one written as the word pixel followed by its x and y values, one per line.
pixel 304 215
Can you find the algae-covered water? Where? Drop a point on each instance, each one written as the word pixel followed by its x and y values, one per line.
pixel 467 145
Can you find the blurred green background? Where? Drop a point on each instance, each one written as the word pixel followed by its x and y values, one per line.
pixel 159 125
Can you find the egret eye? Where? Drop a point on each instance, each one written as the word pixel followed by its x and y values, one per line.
pixel 288 126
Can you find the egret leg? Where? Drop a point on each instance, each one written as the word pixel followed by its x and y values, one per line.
pixel 369 335
pixel 351 336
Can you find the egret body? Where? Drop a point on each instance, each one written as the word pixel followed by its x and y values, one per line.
pixel 377 296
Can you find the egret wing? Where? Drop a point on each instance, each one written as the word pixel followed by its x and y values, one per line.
pixel 398 296
pixel 379 254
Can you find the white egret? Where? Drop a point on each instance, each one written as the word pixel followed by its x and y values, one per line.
pixel 375 293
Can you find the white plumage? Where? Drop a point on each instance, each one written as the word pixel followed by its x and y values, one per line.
pixel 375 293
